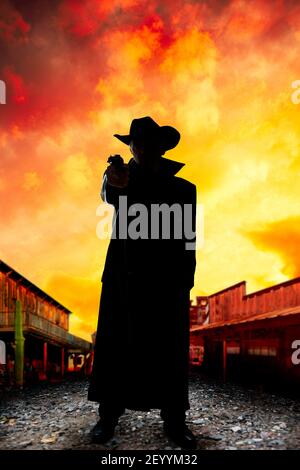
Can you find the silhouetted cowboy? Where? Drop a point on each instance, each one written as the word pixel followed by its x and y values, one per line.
pixel 141 356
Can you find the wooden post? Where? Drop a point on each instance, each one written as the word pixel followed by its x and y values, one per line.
pixel 19 343
pixel 224 359
pixel 75 362
pixel 62 362
pixel 45 357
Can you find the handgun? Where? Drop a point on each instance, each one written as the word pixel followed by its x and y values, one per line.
pixel 116 160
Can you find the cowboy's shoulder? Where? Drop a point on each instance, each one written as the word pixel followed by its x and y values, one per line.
pixel 184 184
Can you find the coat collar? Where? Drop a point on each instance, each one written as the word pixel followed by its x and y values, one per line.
pixel 168 167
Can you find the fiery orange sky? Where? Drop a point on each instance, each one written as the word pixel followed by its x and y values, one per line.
pixel 78 71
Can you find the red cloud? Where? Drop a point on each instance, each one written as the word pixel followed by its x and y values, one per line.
pixel 13 27
pixel 15 84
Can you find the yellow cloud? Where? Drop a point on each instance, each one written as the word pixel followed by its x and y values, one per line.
pixel 283 238
pixel 76 173
pixel 81 296
pixel 31 180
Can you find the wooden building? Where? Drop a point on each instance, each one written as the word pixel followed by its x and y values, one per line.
pixel 43 328
pixel 254 336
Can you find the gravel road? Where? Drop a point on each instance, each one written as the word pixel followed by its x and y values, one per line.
pixel 223 416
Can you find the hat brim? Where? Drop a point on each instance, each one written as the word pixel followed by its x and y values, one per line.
pixel 169 137
pixel 123 138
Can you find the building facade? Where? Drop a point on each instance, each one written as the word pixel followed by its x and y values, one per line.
pixel 254 336
pixel 34 330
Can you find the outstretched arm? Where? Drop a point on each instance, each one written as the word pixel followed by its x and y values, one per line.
pixel 114 184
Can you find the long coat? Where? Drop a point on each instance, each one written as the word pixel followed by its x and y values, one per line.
pixel 141 356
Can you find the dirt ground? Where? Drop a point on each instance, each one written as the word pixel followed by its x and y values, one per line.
pixel 222 416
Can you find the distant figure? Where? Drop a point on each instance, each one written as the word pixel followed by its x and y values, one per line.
pixel 2 353
pixel 88 363
pixel 141 357
pixel 29 371
pixel 2 362
pixel 10 368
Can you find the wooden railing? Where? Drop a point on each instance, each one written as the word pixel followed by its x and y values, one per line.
pixel 45 327
pixel 233 303
pixel 7 319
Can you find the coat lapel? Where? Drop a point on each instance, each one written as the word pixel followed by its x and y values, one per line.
pixel 168 167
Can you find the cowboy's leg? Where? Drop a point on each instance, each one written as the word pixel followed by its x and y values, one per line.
pixel 110 411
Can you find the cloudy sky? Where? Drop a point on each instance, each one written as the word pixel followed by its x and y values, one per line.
pixel 78 71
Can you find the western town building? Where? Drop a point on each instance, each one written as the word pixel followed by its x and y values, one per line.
pixel 253 336
pixel 34 331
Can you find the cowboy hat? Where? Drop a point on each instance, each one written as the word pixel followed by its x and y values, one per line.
pixel 146 128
